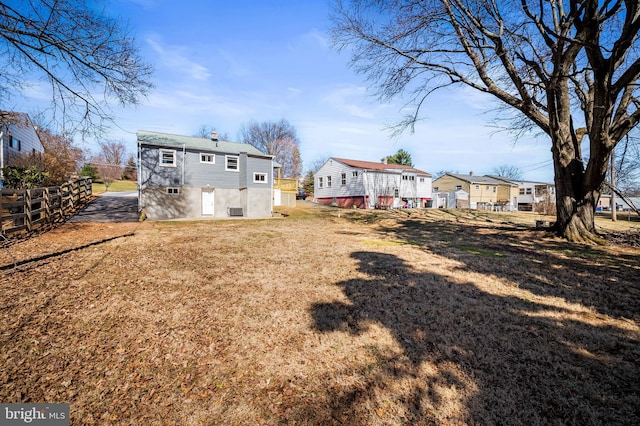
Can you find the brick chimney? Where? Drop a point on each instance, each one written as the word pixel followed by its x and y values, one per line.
pixel 471 173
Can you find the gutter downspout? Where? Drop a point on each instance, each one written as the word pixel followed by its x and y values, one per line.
pixel 1 154
pixel 184 154
pixel 139 177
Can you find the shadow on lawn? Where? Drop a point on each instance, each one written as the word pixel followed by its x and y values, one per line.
pixel 506 359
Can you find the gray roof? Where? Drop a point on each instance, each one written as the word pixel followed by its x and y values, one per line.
pixel 485 180
pixel 177 141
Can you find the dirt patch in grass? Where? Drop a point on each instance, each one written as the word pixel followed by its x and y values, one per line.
pixel 324 317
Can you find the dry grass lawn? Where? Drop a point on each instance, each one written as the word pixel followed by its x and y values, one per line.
pixel 323 317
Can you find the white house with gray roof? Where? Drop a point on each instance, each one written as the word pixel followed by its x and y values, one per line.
pixel 191 177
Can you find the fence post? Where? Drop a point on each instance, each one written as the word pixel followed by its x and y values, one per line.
pixel 47 206
pixel 27 209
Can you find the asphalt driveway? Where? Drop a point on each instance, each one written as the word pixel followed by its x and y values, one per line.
pixel 110 207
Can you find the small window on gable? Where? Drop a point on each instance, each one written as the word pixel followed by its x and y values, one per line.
pixel 354 174
pixel 343 179
pixel 320 182
pixel 168 157
pixel 173 190
pixel 259 178
pixel 231 163
pixel 495 188
pixel 328 181
pixel 207 158
pixel 421 180
pixel 435 188
pixel 458 187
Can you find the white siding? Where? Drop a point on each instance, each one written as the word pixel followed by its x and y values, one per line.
pixel 334 169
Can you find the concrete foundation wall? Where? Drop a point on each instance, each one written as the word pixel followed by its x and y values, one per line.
pixel 158 204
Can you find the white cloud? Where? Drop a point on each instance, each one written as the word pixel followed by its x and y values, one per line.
pixel 347 99
pixel 176 58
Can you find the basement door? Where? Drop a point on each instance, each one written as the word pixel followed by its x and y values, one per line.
pixel 207 203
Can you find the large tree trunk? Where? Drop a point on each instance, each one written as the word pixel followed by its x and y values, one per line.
pixel 576 197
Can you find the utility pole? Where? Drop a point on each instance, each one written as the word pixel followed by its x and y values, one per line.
pixel 614 213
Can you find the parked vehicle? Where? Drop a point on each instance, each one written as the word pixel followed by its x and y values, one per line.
pixel 301 195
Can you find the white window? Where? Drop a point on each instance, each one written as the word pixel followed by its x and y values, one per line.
pixel 173 190
pixel 354 174
pixel 421 180
pixel 319 182
pixel 328 181
pixel 528 191
pixel 477 187
pixel 458 187
pixel 259 177
pixel 168 157
pixel 487 188
pixel 207 158
pixel 435 188
pixel 343 179
pixel 521 191
pixel 231 163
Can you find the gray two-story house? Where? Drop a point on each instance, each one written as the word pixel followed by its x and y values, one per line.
pixel 191 177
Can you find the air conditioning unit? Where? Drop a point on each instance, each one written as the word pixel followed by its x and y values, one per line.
pixel 235 211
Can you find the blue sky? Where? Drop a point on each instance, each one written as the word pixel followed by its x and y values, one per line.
pixel 222 63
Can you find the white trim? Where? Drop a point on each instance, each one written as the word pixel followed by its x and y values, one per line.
pixel 259 174
pixel 206 154
pixel 167 151
pixel 226 163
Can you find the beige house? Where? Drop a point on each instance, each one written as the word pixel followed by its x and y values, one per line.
pixel 484 192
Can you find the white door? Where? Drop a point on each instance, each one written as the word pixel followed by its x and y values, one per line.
pixel 207 203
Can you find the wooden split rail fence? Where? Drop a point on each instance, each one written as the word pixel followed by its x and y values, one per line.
pixel 29 209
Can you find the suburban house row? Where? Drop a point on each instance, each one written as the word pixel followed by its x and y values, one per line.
pixel 364 184
pixel 191 177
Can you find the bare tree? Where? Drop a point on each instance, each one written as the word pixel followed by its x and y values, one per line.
pixel 570 69
pixel 278 139
pixel 77 49
pixel 507 171
pixel 315 165
pixel 110 161
pixel 205 132
pixel 112 153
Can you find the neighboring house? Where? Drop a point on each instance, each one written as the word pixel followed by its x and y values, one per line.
pixel 18 137
pixel 485 192
pixel 531 194
pixel 190 177
pixel 366 184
